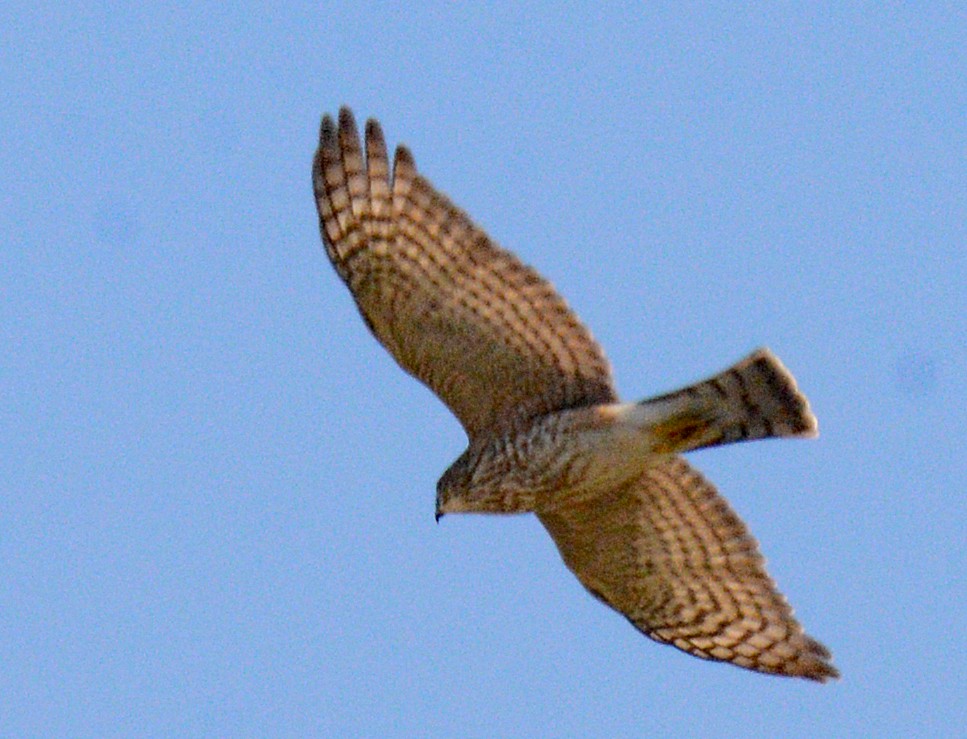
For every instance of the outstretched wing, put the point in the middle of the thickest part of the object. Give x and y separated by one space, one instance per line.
668 553
485 332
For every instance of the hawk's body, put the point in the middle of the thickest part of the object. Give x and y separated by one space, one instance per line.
640 528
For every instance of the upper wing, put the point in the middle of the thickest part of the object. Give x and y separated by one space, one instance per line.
485 332
668 553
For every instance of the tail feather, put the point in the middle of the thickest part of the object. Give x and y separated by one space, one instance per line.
757 398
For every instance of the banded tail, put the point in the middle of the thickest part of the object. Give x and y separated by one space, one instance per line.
757 398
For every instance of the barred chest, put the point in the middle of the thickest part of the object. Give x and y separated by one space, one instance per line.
555 459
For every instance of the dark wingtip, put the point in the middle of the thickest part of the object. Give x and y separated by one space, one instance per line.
373 128
404 158
327 145
327 130
348 134
374 133
815 663
346 117
820 673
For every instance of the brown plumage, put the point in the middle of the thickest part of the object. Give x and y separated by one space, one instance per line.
640 528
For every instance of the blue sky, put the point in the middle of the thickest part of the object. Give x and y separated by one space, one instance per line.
216 489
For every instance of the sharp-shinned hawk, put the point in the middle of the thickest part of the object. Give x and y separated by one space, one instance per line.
640 528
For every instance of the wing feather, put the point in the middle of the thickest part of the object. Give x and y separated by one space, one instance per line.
668 553
486 333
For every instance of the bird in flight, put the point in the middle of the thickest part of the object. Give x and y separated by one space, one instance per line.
641 529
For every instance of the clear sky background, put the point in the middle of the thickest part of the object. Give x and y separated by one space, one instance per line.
216 488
